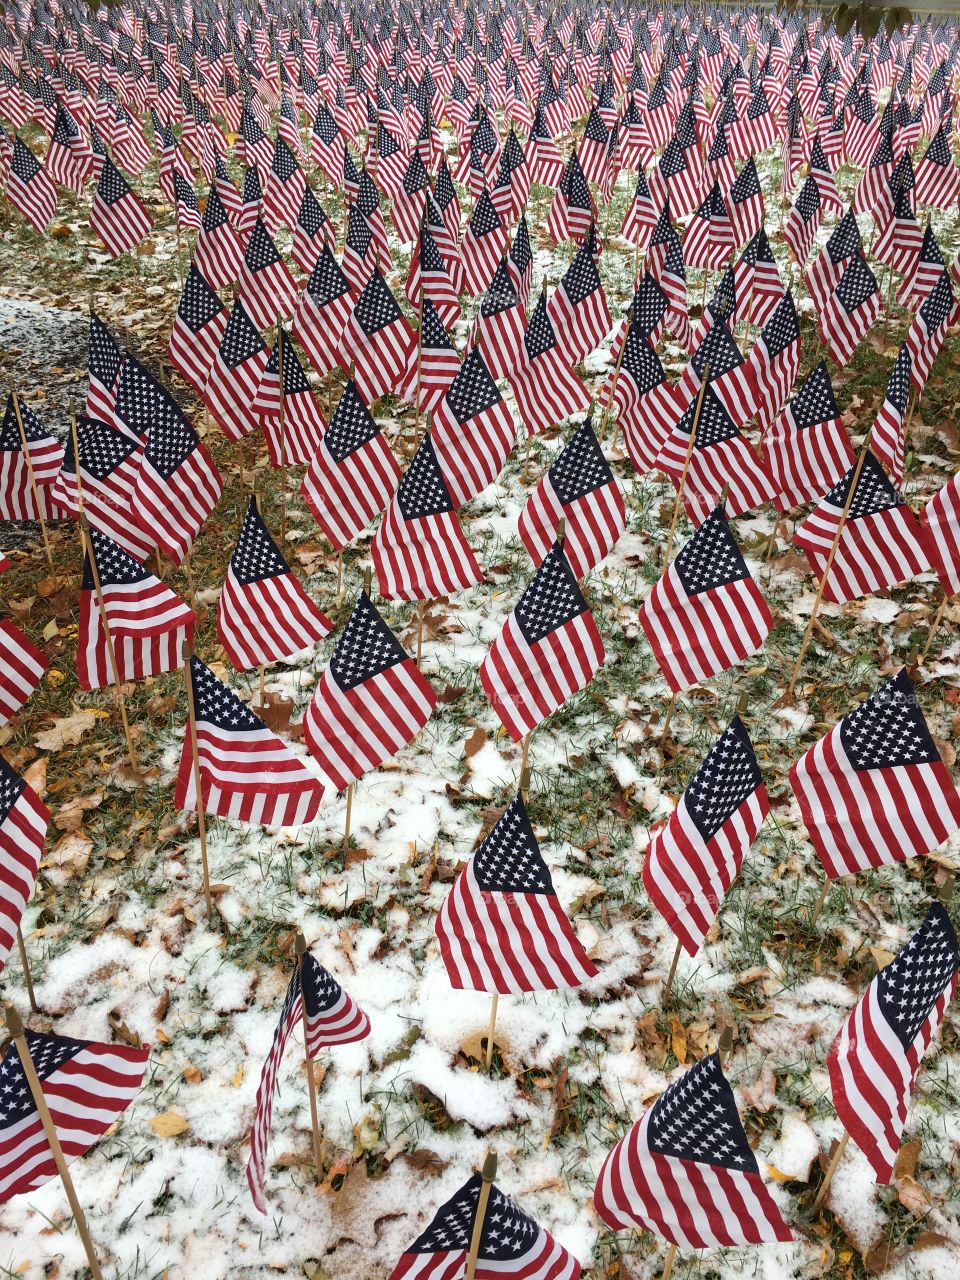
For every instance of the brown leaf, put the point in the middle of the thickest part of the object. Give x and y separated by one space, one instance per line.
67 731
451 693
163 1004
36 776
878 1259
425 1161
168 1124
474 743
678 1040
356 1210
68 858
912 1196
121 1031
69 817
275 712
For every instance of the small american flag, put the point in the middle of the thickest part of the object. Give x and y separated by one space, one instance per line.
572 209
377 340
881 544
360 254
695 858
21 667
928 329
806 447
886 435
686 1171
925 275
86 1085
850 311
520 261
578 308
941 522
353 473
45 455
284 190
544 385
370 701
757 279
434 365
823 176
745 202
706 613
641 216
580 489
323 311
264 614
875 790
874 1060
293 440
501 927
186 203
267 289
473 431
198 330
246 772
148 622
407 207
512 1245
218 254
104 362
29 188
900 236
117 216
500 324
646 403
24 819
70 156
775 360
484 242
824 272
312 231
938 178
327 146
709 240
429 274
331 1018
548 650
235 374
419 550
801 226
109 465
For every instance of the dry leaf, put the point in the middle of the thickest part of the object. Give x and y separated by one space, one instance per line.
36 776
474 743
69 817
275 712
168 1124
66 732
881 957
912 1196
905 1165
678 1040
68 858
121 1031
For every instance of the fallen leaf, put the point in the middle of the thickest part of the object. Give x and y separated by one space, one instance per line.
66 732
68 858
168 1124
474 743
121 1031
275 712
912 1196
69 817
678 1040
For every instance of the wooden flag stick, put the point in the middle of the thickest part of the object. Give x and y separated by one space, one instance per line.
416 395
818 905
808 632
668 1264
88 550
492 1028
283 433
601 434
831 1170
671 706
421 610
300 946
25 966
704 382
34 487
19 1040
668 985
932 629
197 779
487 1173
349 815
76 456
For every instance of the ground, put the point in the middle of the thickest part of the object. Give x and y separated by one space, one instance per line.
120 947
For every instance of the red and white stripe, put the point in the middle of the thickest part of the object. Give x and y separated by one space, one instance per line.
874 552
422 558
262 622
21 668
592 524
22 834
940 519
148 625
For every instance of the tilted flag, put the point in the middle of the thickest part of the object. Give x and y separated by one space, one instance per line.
806 447
322 313
198 330
109 464
695 857
928 329
70 157
331 1018
117 216
850 311
86 1085
43 459
578 307
775 360
646 402
433 366
881 542
483 244
548 649
264 614
370 700
823 274
235 374
938 178
544 385
29 187
312 231
218 254
886 434
511 1243
709 240
941 522
246 772
686 1171
473 431
580 489
706 613
874 1060
377 341
500 324
148 622
21 667
875 790
292 435
24 819
104 362
800 229
267 289
501 927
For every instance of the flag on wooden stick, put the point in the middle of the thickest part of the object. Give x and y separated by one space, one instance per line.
23 825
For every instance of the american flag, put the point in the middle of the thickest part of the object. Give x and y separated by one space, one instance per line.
420 551
322 312
104 362
377 341
548 650
646 403
264 614
327 146
235 374
430 279
251 198
758 280
293 438
501 927
185 202
938 178
353 473
941 522
178 484
500 324
745 202
709 240
572 209
331 1018
24 819
824 272
21 668
580 489
520 261
87 1085
886 434
544 385
148 622
641 216
70 157
483 244
695 857
578 308
925 275
473 431
109 465
706 613
246 772
822 174
117 216
218 254
198 330
267 289
806 447
880 545
407 207
676 177
434 365
511 1243
875 790
775 360
717 359
543 154
370 700
800 229
686 1171
359 250
312 231
284 190
850 311
44 457
928 329
29 188
872 193
874 1060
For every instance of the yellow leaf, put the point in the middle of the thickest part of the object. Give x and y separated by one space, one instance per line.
238 1078
678 1040
168 1124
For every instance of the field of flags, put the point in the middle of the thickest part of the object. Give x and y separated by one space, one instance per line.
478 791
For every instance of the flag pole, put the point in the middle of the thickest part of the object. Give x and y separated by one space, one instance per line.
616 375
487 1174
932 629
704 382
19 1040
34 487
25 966
88 550
197 778
808 632
835 1159
668 985
300 946
263 695
283 430
421 610
418 384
